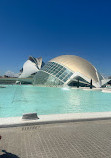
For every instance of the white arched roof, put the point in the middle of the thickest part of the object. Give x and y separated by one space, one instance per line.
32 65
28 69
78 64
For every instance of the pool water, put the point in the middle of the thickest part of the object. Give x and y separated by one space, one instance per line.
18 99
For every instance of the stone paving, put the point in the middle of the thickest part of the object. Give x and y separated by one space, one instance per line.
87 139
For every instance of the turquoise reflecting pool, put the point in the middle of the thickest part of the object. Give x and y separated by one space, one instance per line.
16 100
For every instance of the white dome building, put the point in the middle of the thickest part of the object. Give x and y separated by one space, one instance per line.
68 70
30 67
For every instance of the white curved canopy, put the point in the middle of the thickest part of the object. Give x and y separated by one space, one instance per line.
32 65
28 69
80 67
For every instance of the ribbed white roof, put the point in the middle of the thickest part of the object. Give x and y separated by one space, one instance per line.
78 64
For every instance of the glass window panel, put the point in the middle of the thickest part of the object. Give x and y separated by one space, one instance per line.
57 70
61 71
49 65
65 79
60 77
54 73
54 70
61 66
69 75
46 70
46 79
64 69
53 64
63 75
57 75
51 68
49 71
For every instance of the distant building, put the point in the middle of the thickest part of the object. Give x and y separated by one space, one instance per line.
5 76
69 70
10 74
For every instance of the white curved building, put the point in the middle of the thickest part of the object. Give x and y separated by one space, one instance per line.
68 70
31 66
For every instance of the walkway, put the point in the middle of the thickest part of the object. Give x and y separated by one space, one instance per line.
87 139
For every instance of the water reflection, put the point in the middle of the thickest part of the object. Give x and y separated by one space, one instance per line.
16 100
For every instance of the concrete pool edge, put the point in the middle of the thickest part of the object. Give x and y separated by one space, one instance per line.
55 118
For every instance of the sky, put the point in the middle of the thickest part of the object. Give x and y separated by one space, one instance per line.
50 28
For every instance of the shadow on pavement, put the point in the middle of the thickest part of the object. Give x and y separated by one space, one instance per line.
8 155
